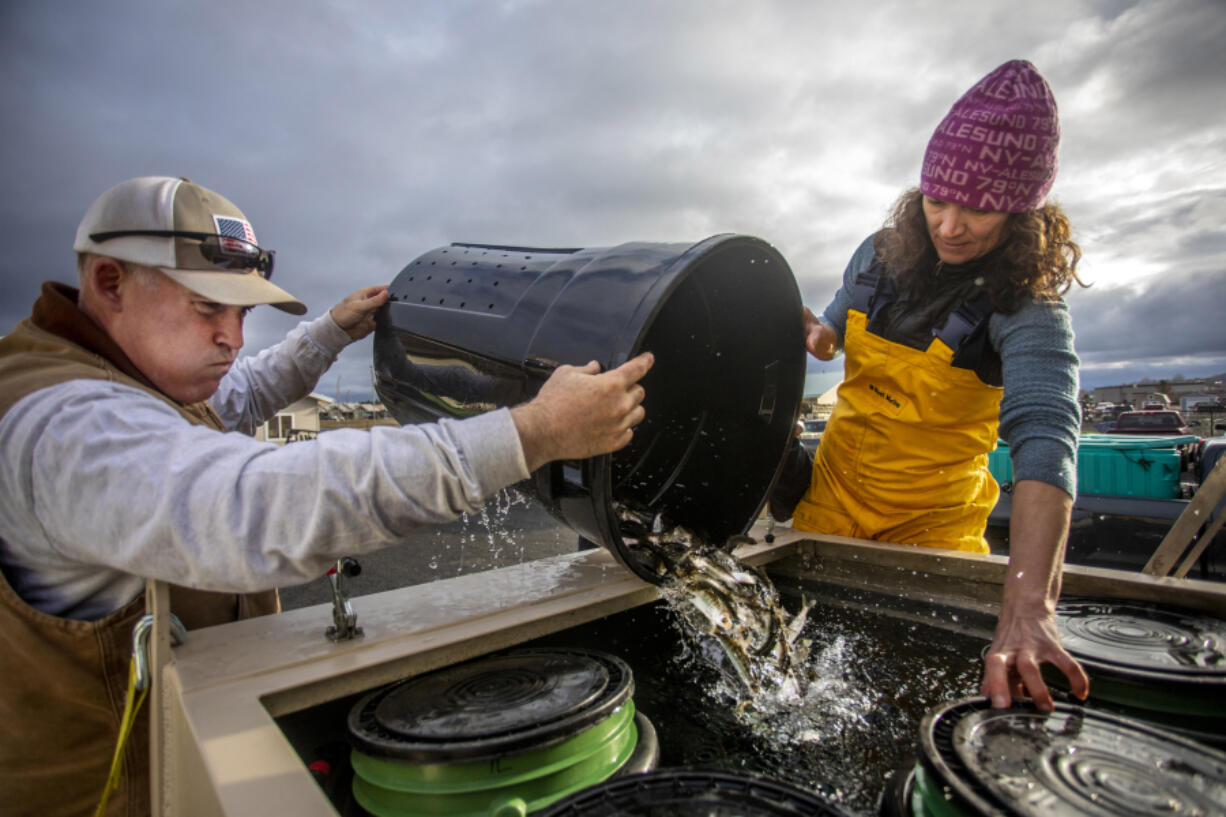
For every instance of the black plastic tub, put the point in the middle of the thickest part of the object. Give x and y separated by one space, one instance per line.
469 328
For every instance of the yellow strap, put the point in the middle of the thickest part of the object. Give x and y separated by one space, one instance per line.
131 706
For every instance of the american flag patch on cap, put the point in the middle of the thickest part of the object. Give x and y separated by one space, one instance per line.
231 227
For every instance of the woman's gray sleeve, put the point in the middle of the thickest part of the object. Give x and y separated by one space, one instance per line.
1040 417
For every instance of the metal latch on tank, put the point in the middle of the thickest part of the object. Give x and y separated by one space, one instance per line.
140 645
344 620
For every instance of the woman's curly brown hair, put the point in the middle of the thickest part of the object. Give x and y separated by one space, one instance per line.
1038 257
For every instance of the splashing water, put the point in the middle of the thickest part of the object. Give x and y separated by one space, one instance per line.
729 608
486 533
870 683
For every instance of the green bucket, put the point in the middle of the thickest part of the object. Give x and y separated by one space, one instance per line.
502 736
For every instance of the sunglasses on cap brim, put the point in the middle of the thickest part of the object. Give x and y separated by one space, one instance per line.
222 251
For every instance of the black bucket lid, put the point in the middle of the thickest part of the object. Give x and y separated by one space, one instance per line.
1157 662
1072 761
491 707
1139 639
692 793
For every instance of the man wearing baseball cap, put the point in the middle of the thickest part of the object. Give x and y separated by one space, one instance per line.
115 467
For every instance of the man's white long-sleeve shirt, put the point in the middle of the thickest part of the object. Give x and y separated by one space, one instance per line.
102 485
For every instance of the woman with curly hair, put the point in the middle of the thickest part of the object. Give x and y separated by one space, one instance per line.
955 332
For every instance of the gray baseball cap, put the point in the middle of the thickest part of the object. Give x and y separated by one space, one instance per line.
193 235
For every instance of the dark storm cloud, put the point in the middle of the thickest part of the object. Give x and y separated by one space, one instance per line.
1171 317
1181 232
358 135
1156 70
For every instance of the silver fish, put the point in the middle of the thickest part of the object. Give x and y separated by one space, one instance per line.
724 599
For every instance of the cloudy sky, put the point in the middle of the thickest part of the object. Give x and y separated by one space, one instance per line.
358 135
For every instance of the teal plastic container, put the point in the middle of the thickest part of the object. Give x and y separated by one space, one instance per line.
1116 465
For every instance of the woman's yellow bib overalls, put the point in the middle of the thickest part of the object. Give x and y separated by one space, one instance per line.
904 457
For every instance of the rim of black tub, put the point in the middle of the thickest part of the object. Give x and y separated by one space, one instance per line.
693 793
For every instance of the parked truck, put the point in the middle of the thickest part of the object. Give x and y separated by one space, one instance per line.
1161 424
1151 422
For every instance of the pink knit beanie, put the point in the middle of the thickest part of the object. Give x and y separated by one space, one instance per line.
996 148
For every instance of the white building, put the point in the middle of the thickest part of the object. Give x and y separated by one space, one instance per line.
299 420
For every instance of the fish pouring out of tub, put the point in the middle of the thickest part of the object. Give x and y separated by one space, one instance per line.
725 600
